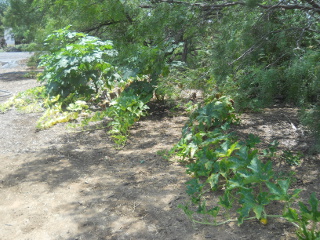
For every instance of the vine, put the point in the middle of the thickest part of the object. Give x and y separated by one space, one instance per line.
241 175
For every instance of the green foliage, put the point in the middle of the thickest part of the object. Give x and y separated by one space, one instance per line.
310 117
125 111
218 161
76 73
292 158
143 89
28 101
216 114
258 55
262 58
307 219
36 100
78 64
25 18
3 8
270 152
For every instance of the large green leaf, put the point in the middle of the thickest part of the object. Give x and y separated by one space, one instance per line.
235 182
312 214
250 202
279 190
213 180
225 200
291 215
260 172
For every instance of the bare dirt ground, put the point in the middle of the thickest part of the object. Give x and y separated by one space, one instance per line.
60 184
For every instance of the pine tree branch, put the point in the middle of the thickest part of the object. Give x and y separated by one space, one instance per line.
290 7
213 7
313 3
108 23
261 41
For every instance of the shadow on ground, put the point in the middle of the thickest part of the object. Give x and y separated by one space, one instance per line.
133 193
17 76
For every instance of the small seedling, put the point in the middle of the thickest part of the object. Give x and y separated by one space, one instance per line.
291 158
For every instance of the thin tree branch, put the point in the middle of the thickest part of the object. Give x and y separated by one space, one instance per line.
262 39
313 3
291 7
278 59
101 25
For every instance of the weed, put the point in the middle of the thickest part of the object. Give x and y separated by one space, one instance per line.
164 154
292 159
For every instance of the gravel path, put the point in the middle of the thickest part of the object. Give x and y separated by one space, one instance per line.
10 60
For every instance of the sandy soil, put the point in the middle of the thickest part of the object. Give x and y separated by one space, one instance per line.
60 184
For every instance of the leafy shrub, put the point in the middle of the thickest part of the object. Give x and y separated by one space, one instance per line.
310 117
77 63
143 89
125 111
77 72
205 123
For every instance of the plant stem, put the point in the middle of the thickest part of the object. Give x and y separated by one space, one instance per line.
280 216
235 220
220 223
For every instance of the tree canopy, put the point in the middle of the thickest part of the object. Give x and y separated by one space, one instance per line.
259 52
3 7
